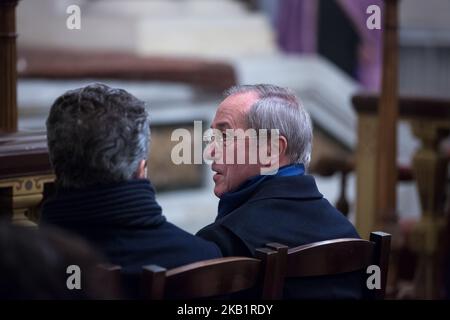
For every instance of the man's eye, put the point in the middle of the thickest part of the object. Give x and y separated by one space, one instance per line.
208 138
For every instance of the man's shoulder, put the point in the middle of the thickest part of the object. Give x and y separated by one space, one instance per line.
286 214
188 243
313 216
230 244
167 246
292 194
302 187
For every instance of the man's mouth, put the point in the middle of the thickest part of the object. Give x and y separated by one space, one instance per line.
216 169
216 177
217 174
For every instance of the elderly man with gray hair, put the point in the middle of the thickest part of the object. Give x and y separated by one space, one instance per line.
98 141
284 206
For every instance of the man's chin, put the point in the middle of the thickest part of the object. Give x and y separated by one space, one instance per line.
218 192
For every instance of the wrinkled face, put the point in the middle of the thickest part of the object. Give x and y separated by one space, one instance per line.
231 114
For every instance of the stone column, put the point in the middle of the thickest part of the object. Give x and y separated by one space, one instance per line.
430 170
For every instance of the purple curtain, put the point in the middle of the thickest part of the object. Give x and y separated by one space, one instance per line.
297 32
297 25
370 51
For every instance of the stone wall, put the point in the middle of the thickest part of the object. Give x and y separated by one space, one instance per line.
163 173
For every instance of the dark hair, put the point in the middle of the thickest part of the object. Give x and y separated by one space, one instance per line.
97 135
34 262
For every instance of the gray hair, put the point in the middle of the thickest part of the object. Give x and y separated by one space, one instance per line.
279 108
97 135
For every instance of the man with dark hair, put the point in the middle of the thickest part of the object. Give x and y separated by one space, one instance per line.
273 200
98 140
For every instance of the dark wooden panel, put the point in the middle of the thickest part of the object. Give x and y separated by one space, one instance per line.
8 73
23 154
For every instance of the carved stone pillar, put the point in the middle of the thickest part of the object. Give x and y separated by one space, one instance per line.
8 66
430 170
19 198
367 219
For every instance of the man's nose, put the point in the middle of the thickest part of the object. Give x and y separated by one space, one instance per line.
214 153
210 151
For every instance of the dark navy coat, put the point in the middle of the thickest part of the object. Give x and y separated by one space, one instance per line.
289 210
125 222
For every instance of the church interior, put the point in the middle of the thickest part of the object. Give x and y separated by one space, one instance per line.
376 87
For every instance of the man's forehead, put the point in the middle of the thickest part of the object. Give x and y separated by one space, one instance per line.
242 101
232 110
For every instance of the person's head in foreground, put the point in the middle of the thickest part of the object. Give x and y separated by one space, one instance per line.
97 135
98 140
258 110
50 264
273 199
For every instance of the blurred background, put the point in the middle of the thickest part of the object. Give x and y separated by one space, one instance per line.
321 49
179 55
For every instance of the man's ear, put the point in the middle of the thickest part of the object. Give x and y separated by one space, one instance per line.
282 146
277 155
141 172
277 150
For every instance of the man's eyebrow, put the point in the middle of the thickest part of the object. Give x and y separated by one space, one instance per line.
222 126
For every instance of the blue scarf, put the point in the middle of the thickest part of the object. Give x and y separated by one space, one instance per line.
232 200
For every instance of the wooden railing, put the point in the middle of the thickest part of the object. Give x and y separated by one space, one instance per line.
8 73
61 64
25 172
430 122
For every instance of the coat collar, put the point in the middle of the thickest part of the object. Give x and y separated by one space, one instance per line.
126 204
287 183
293 187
